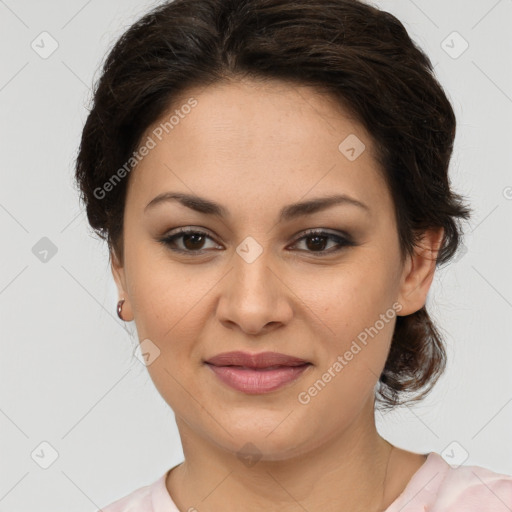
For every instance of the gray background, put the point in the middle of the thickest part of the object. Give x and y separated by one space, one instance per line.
68 377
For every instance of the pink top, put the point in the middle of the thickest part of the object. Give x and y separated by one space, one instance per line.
435 487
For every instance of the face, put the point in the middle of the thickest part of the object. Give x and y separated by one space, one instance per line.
268 265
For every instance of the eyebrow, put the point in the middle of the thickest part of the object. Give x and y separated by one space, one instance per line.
289 212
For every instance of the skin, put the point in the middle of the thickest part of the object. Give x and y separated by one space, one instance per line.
255 147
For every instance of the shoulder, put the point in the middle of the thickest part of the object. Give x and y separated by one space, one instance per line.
474 488
439 487
150 498
140 499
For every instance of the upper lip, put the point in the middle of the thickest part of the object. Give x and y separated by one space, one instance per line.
260 360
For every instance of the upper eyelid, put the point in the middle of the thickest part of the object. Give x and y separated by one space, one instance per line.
204 231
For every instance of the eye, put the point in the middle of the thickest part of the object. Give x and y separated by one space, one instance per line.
192 241
187 240
316 241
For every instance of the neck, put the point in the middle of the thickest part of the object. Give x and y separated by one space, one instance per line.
349 468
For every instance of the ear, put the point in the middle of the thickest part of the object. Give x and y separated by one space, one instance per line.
419 271
119 275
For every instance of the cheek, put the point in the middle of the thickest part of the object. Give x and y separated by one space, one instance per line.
160 296
167 305
349 297
358 324
353 310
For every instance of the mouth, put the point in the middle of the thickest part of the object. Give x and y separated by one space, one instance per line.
256 373
255 361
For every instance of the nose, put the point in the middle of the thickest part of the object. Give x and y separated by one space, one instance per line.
254 297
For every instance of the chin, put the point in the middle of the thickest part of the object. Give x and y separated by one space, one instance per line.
274 442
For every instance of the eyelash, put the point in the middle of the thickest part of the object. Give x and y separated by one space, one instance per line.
342 241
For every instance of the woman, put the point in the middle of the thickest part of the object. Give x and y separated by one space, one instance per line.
271 179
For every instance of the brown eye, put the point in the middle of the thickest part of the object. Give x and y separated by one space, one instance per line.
317 241
193 241
188 241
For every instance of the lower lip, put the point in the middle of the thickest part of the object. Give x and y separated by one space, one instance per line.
255 382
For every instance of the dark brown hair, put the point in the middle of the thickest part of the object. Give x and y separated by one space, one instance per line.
359 54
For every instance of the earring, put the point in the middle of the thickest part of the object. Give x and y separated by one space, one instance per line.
120 309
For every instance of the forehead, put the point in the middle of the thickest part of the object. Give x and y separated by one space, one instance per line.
248 139
264 112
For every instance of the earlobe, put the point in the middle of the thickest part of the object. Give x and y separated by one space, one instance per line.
419 272
120 309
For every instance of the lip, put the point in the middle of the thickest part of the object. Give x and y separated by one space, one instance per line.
258 360
256 373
